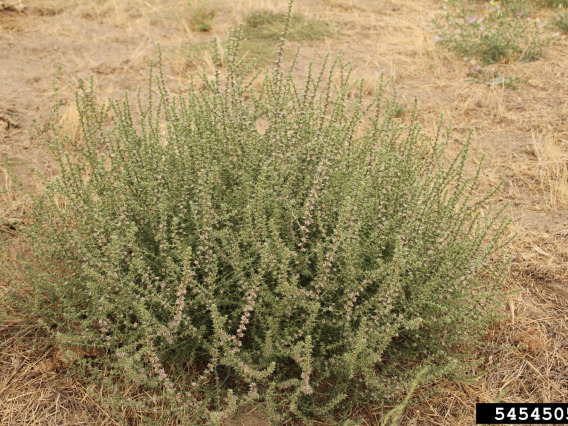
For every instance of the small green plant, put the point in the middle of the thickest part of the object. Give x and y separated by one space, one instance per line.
500 32
202 15
561 22
492 79
329 258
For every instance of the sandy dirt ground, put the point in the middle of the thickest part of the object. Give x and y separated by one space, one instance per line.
522 133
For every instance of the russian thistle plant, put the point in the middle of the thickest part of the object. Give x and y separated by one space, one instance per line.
329 258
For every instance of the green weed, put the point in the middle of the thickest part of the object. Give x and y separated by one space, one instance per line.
500 32
561 22
202 14
493 79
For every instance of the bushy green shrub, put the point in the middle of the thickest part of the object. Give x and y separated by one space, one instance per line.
499 32
328 258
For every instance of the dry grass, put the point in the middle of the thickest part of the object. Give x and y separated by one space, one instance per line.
548 170
522 133
35 390
260 34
